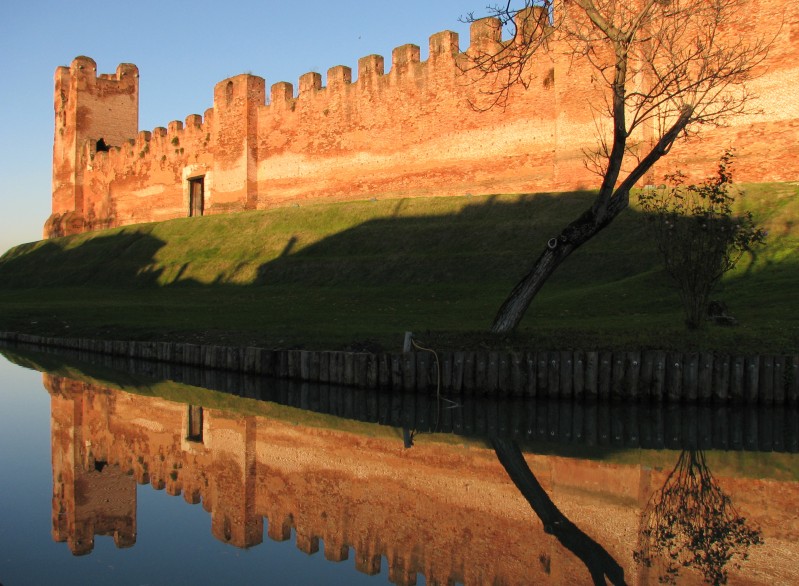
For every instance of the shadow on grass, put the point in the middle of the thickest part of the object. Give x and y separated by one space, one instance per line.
125 257
492 241
489 240
396 261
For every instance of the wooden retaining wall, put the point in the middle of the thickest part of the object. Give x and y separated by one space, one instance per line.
646 376
611 425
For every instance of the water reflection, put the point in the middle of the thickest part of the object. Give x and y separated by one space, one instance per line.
690 522
599 562
444 509
612 426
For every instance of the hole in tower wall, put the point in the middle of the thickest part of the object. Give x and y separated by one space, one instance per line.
102 147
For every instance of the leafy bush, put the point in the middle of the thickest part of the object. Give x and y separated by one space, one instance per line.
697 234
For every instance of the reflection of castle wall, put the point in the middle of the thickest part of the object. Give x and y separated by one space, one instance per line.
89 496
232 503
451 514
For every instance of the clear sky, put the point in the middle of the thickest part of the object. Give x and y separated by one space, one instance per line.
182 48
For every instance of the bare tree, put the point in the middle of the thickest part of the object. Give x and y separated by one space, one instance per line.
667 68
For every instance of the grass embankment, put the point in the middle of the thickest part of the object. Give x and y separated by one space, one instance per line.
360 274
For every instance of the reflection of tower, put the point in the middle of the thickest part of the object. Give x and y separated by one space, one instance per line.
90 497
234 518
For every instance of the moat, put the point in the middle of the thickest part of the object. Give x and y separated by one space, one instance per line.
118 477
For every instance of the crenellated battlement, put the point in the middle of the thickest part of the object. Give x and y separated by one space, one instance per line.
83 70
484 33
414 129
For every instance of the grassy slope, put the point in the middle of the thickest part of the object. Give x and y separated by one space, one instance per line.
364 272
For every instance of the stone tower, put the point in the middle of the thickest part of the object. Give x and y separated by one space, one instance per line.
91 113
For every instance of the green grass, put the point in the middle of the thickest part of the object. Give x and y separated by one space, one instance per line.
360 274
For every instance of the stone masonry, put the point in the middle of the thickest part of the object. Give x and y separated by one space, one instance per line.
407 132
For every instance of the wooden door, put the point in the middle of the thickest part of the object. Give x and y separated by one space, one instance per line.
196 196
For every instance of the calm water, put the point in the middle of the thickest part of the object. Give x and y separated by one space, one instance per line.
145 477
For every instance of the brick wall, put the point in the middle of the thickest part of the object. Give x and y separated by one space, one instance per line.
409 131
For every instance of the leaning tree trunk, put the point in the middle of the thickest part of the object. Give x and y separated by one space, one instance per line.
608 204
558 249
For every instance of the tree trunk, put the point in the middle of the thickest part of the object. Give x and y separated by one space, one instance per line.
516 304
558 249
608 204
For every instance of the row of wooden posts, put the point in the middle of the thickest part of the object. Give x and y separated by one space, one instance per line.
648 376
612 425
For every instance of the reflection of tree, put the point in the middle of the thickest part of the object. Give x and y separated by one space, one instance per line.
691 523
598 561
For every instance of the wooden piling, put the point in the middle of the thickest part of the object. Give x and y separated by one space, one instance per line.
553 375
518 374
542 373
690 379
632 365
617 372
532 374
492 373
458 366
674 377
721 378
578 375
705 377
566 374
591 375
446 360
384 370
408 371
424 380
396 372
468 373
605 375
751 379
779 380
504 367
765 383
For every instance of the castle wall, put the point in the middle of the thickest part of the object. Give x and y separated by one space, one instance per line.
766 137
416 129
406 132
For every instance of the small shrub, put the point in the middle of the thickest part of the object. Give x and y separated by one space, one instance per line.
697 234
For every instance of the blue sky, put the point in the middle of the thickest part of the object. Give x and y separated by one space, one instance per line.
182 50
